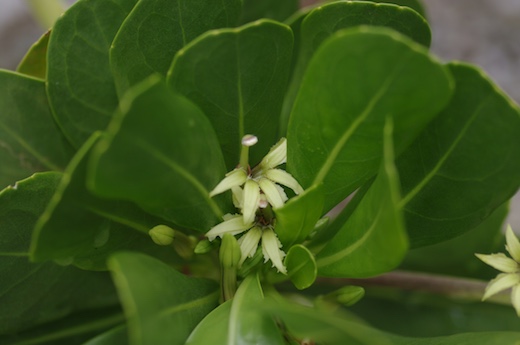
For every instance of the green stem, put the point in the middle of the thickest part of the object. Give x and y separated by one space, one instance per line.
229 283
46 12
462 288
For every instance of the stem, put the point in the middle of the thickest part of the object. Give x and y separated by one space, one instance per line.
229 283
463 288
46 12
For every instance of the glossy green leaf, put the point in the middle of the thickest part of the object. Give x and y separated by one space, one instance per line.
301 266
115 336
34 63
80 228
297 218
156 29
336 329
161 153
456 256
373 240
238 321
214 328
162 305
324 21
238 78
79 80
464 165
415 5
31 294
272 9
337 140
30 141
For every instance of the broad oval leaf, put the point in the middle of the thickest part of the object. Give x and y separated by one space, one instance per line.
30 140
238 78
161 153
79 80
54 291
298 217
322 22
301 267
364 75
239 321
415 5
82 229
156 29
162 305
465 164
34 63
373 240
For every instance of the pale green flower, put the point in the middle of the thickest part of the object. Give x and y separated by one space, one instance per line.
254 190
510 278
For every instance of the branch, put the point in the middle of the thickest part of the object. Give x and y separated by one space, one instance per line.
462 288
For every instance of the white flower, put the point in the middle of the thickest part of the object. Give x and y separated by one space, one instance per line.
510 278
254 190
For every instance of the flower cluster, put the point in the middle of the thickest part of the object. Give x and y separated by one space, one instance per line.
510 278
255 192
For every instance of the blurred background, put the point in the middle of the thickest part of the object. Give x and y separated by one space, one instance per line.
483 32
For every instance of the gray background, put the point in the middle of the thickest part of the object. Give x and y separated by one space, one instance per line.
484 32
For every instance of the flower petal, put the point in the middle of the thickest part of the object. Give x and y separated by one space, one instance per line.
502 282
515 298
284 178
238 197
271 250
513 245
249 243
233 225
234 178
276 156
251 199
500 261
271 192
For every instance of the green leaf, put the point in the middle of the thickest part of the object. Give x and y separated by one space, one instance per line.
456 256
301 266
115 336
79 80
162 305
415 5
425 315
272 9
297 218
375 230
166 161
238 78
156 29
310 323
464 165
238 321
79 228
337 140
324 21
31 294
74 329
34 63
30 141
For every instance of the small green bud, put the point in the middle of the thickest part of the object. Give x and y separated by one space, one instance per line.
229 251
203 247
162 235
348 295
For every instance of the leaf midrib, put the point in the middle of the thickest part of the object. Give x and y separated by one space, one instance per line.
446 155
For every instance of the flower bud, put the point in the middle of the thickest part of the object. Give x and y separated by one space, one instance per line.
162 235
348 295
203 247
230 253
